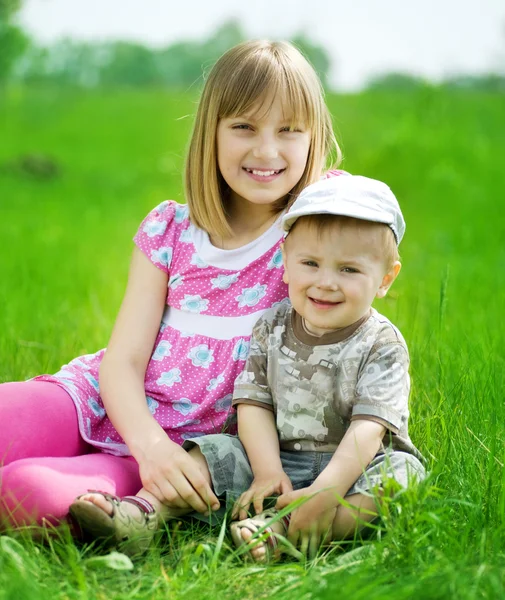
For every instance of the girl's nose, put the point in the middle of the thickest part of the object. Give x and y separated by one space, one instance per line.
266 148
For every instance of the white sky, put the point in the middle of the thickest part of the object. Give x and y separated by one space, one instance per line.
431 38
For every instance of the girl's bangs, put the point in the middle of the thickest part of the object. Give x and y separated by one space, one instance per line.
253 89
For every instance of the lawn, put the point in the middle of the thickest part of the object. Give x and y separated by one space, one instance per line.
79 171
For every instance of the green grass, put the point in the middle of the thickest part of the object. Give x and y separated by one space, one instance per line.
66 243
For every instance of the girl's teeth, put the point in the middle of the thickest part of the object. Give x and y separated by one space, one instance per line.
262 173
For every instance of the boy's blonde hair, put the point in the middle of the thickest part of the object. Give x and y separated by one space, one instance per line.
323 223
245 77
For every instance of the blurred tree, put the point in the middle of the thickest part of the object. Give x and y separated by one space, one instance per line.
13 41
317 56
129 64
489 82
396 81
184 62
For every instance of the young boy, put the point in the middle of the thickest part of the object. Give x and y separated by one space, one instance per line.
323 400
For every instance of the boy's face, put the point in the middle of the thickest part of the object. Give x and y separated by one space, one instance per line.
334 275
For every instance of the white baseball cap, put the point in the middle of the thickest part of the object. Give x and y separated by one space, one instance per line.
350 196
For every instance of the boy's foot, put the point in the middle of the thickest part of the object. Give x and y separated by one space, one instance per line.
128 523
265 545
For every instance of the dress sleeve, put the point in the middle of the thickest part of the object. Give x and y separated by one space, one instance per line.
156 234
382 390
251 386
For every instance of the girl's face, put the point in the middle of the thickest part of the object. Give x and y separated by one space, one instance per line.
258 155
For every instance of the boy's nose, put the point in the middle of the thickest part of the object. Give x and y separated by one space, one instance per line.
328 281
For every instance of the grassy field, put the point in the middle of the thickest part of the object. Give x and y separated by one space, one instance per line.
66 242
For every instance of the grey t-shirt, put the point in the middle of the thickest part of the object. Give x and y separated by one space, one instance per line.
317 385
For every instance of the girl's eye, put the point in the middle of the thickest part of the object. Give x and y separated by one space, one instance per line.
310 263
244 126
291 130
349 270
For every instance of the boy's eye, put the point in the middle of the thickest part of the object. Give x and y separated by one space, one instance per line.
310 263
349 270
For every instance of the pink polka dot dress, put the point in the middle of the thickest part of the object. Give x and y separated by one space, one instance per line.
214 298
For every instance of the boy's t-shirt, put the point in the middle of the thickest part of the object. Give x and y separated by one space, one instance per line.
317 385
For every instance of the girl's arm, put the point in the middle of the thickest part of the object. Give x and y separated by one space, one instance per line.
166 470
258 433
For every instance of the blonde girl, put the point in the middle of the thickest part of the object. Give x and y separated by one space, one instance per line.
201 274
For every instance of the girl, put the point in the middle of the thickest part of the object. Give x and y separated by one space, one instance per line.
115 420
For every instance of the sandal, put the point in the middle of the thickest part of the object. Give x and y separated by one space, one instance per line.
268 536
131 534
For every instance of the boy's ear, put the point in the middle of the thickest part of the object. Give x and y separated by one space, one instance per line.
388 279
285 274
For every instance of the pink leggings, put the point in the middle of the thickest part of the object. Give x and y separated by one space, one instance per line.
44 462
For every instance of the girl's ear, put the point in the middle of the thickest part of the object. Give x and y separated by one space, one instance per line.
388 279
285 274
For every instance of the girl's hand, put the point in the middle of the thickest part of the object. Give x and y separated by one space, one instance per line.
263 486
175 479
311 523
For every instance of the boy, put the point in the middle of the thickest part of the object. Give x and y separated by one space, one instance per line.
323 400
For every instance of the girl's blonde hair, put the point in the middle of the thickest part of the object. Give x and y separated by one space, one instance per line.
244 78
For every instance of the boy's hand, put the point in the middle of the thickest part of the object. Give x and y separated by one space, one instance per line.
175 479
311 523
263 486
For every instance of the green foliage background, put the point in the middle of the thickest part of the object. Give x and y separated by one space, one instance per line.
78 172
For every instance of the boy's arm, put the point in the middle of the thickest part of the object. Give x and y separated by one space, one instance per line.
258 433
312 521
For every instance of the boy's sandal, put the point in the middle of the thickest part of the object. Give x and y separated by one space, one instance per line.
268 536
131 534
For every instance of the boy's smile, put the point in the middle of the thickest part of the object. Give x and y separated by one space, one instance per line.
334 274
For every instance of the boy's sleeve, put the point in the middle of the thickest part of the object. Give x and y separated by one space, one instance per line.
382 390
251 386
156 234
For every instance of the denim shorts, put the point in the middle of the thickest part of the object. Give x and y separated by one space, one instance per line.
232 475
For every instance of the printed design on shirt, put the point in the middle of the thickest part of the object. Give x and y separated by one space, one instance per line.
251 296
241 349
185 236
154 228
162 256
308 385
215 382
152 404
181 212
198 262
187 423
192 434
184 406
161 208
223 404
162 349
98 410
175 281
276 260
201 356
170 378
223 282
90 379
194 304
284 301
